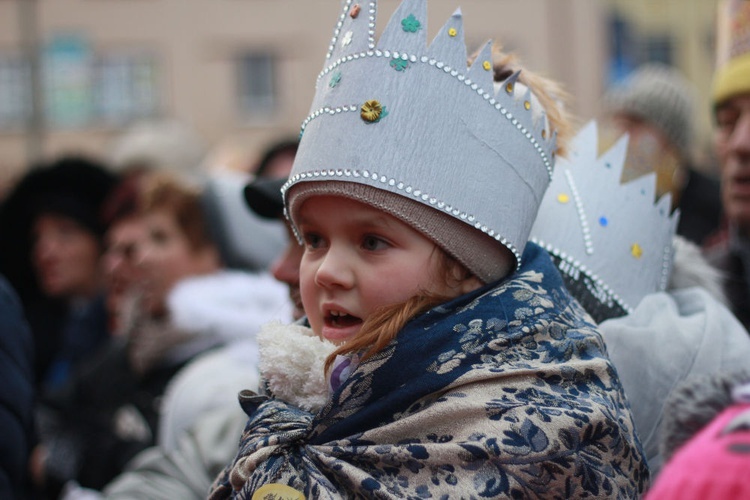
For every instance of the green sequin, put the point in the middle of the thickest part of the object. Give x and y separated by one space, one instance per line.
335 79
399 64
411 24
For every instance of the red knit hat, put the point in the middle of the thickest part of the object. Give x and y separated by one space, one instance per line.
715 464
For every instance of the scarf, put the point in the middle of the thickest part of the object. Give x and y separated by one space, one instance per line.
505 391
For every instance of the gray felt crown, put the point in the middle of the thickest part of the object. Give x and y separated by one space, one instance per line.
414 120
612 237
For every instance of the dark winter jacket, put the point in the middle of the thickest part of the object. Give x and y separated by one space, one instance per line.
16 395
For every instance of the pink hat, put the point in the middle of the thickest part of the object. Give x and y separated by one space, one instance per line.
715 464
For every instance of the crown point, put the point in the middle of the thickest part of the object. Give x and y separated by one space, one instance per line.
510 83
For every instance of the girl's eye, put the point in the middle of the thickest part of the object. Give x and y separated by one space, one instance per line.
373 243
313 240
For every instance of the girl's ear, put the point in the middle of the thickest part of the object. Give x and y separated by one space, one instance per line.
460 279
470 284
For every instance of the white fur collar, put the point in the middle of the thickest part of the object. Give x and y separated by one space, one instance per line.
292 358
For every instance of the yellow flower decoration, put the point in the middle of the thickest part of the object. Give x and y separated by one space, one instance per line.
509 88
371 111
563 198
636 250
527 105
452 32
487 65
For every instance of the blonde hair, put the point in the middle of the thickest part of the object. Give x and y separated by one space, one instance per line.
382 326
551 95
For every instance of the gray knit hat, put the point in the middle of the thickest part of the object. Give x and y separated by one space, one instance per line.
660 95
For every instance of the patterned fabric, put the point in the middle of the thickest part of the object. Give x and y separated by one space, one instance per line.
503 392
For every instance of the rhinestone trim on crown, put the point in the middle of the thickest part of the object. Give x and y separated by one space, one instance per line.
581 213
583 270
337 31
446 69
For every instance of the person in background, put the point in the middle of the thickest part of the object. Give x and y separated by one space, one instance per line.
125 234
184 463
18 394
52 244
655 106
729 248
276 160
212 381
658 302
188 304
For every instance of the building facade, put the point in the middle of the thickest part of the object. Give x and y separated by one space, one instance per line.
241 72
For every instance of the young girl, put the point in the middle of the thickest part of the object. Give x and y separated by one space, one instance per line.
442 360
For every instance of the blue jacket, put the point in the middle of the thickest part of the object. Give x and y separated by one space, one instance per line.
16 395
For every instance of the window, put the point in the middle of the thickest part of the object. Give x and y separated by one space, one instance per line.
80 87
125 88
257 85
658 48
15 91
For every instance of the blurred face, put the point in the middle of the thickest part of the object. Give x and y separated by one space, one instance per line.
65 256
280 166
649 150
732 141
121 269
166 257
286 270
358 259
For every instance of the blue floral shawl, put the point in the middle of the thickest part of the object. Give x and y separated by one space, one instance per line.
503 392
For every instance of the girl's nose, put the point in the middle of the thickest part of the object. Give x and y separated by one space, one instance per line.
335 270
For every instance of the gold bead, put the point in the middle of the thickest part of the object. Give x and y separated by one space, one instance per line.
636 250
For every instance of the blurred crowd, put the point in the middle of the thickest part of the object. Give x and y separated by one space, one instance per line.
133 288
121 273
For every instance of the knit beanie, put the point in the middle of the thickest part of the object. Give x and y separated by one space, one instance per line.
477 251
732 75
661 96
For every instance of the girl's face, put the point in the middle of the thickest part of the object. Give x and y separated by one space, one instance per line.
356 260
166 257
65 257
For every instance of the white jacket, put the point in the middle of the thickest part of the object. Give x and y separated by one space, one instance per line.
672 336
233 306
